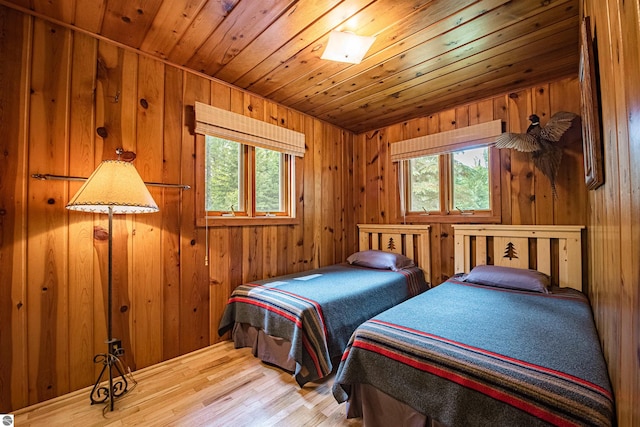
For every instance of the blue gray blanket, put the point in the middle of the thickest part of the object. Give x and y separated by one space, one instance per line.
471 355
318 310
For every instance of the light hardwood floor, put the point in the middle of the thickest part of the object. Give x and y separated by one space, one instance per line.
214 386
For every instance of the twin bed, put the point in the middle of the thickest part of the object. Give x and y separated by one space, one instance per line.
302 322
496 346
511 343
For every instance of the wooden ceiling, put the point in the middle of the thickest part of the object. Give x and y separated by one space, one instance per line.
429 55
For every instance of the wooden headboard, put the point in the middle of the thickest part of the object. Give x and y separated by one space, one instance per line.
409 240
523 246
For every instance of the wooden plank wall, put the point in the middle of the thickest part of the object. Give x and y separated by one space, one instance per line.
57 87
526 196
614 223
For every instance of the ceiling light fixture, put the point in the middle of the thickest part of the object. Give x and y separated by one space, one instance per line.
347 47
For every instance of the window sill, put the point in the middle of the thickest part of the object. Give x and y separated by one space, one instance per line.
240 221
451 219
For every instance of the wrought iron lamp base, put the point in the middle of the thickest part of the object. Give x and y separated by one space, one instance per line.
117 384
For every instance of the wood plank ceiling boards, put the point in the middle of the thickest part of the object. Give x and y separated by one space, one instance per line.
429 55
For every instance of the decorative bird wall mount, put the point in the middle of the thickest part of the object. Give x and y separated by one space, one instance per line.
541 142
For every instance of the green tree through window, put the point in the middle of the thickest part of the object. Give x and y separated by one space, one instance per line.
222 174
425 184
268 180
471 179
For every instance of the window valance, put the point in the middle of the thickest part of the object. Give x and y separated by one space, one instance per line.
247 130
452 140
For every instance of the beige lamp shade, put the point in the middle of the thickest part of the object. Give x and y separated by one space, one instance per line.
347 47
117 185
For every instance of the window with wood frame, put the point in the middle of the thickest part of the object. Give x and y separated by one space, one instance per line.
453 176
244 180
246 169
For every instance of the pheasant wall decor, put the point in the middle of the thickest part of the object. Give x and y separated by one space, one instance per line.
541 143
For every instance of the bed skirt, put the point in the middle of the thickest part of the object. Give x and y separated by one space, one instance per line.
378 409
269 349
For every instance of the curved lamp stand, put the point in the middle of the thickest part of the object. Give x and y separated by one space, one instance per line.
117 385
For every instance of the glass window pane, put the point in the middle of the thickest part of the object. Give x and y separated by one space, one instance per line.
223 175
471 179
424 184
269 184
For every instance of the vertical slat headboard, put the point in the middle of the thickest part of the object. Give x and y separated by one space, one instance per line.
409 240
511 248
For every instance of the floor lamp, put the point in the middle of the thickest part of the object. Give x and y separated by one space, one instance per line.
115 187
